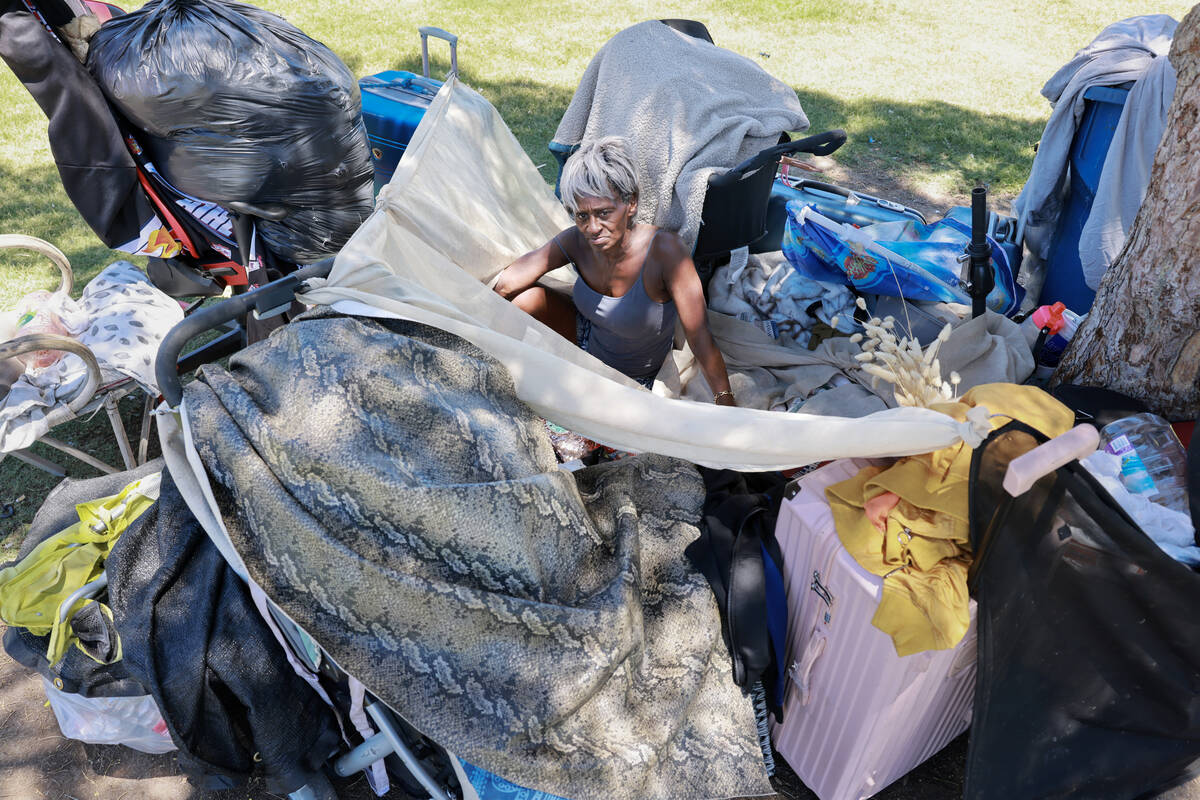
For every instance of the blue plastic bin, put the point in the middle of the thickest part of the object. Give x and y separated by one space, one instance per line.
1102 108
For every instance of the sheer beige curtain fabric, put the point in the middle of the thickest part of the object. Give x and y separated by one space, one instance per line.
465 201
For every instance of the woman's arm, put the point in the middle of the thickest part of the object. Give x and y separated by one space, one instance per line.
529 268
683 284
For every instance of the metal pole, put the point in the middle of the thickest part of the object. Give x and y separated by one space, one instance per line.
980 252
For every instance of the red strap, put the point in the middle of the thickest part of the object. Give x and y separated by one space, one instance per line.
103 11
165 213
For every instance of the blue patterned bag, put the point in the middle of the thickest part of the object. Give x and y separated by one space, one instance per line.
906 259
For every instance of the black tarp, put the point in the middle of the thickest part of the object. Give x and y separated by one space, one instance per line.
194 638
1089 642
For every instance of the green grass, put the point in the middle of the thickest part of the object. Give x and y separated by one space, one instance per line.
938 95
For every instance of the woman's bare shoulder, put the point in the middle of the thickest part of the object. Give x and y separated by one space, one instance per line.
568 242
667 246
669 251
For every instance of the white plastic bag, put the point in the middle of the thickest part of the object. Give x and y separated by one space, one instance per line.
132 721
48 312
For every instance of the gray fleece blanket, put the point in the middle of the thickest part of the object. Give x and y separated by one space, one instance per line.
686 107
386 488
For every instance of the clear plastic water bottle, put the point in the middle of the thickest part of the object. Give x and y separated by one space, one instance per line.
1153 461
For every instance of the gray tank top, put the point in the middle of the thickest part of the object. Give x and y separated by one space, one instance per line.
631 333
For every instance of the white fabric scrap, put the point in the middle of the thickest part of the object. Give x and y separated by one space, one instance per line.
687 109
1170 529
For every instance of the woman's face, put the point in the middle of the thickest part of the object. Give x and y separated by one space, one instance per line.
604 221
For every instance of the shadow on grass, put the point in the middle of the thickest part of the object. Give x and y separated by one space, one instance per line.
34 203
911 142
957 145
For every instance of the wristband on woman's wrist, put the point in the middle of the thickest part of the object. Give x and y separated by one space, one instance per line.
725 393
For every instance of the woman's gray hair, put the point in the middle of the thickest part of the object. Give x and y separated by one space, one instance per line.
600 169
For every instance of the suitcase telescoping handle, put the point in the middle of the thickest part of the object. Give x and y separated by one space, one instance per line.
427 31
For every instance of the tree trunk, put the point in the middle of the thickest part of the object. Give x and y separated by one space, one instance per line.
1142 336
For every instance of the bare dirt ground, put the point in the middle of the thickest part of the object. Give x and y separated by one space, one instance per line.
37 763
881 181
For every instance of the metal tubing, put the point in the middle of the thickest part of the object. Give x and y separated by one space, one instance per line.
428 30
382 718
980 251
50 341
377 747
87 590
19 241
166 368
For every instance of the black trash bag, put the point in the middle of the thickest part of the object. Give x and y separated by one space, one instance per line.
1089 641
237 105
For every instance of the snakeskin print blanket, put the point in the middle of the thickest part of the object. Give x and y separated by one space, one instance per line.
390 493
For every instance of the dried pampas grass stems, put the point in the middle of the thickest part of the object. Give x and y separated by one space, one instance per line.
916 374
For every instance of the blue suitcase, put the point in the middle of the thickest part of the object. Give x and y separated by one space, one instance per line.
393 103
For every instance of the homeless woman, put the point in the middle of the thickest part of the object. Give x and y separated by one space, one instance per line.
634 279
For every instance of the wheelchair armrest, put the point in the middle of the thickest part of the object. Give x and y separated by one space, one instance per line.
821 144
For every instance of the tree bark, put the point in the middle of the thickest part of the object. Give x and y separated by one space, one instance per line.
1142 336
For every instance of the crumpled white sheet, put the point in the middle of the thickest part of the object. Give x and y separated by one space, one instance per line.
1170 529
127 320
775 375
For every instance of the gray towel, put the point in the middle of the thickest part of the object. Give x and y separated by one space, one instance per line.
1121 52
686 107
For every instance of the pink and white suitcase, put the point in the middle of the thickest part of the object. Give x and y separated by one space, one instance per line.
856 715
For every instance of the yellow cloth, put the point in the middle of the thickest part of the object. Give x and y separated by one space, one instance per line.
925 552
33 589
